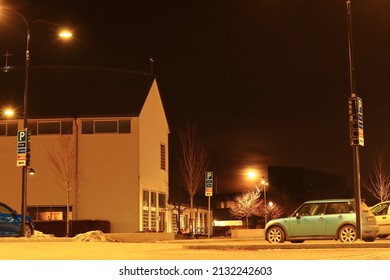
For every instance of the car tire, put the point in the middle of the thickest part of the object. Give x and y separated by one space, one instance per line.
275 235
27 231
369 239
347 234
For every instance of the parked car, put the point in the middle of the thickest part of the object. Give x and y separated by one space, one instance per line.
323 219
10 222
382 215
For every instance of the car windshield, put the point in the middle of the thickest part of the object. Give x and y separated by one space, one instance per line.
380 209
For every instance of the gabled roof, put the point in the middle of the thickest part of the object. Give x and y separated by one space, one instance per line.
63 91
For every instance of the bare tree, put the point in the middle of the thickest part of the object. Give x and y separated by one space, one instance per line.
193 164
63 159
274 211
247 205
379 180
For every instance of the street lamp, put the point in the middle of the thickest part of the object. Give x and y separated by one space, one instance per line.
8 112
265 184
25 99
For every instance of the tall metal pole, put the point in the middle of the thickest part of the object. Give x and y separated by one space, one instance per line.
265 200
25 96
355 147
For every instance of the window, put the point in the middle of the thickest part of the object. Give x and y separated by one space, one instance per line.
106 126
87 127
145 198
49 128
66 127
153 201
338 208
53 127
3 129
161 200
12 129
33 127
47 213
162 157
124 126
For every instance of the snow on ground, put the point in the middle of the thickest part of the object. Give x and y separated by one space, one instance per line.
90 236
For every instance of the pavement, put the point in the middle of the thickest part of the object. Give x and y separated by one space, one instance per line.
224 243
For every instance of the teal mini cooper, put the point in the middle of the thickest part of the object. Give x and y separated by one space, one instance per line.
323 219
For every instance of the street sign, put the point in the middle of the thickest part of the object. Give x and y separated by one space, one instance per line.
209 183
356 132
23 148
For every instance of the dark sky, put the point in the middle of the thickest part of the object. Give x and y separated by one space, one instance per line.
266 82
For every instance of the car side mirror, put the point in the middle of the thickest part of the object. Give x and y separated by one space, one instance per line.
297 216
14 213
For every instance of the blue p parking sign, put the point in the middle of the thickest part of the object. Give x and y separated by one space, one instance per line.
21 157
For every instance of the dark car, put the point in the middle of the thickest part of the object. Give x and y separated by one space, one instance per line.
10 222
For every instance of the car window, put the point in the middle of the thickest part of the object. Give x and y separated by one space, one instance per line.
4 210
338 208
381 209
311 209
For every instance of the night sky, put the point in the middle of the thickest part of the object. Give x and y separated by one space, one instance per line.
265 81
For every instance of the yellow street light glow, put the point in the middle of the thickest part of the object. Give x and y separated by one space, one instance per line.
8 112
65 34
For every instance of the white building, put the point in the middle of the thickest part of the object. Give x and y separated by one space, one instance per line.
117 129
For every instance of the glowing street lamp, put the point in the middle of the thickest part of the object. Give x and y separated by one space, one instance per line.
28 25
8 112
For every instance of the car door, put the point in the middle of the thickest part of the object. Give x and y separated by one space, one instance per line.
336 214
8 224
309 221
382 215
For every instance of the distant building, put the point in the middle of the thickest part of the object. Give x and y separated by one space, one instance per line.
288 187
291 186
118 129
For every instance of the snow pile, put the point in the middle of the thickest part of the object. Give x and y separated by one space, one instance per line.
92 236
39 234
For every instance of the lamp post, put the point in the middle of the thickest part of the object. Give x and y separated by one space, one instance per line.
356 122
265 184
25 102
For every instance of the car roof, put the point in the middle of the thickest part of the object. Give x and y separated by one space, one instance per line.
330 200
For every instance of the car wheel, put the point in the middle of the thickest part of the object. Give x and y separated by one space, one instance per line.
27 231
275 235
347 234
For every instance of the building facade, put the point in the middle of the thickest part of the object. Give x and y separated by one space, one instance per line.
99 147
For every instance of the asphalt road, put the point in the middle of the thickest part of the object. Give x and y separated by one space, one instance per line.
202 249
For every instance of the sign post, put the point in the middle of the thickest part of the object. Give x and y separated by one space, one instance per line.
21 157
209 177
